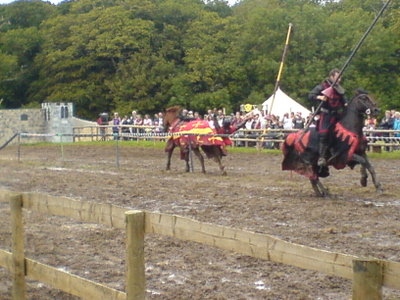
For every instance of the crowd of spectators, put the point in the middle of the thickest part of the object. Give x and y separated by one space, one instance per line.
255 120
121 127
390 121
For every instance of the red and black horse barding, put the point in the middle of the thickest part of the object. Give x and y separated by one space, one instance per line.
347 146
192 136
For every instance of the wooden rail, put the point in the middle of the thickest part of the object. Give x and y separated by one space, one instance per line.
138 223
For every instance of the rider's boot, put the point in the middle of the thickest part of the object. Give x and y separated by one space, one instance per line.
323 148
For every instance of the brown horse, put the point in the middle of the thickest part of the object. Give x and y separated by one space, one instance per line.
190 136
347 146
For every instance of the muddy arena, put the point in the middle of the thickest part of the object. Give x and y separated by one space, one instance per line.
255 195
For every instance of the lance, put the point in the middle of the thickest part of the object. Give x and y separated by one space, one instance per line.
278 78
330 90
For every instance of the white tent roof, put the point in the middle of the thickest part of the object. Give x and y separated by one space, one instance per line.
283 104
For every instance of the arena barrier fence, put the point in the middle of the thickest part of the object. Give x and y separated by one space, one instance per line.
378 140
368 275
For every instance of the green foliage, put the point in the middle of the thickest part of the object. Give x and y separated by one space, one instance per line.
25 14
106 55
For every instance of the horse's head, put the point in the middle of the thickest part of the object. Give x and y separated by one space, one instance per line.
171 114
365 104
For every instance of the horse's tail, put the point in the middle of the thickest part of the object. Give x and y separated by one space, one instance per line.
295 151
288 151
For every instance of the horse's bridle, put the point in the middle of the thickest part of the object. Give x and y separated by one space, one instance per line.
367 109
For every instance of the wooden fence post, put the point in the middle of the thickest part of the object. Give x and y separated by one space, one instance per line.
135 272
367 279
18 257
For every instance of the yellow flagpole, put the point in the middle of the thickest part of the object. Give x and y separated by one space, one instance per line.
278 78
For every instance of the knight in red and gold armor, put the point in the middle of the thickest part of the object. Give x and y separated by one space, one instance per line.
332 103
228 127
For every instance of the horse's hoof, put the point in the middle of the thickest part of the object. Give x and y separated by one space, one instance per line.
326 195
322 193
363 181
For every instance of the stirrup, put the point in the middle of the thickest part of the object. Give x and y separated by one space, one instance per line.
321 162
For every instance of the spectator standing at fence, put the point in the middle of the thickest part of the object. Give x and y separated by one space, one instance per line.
370 123
396 123
124 129
116 121
249 122
256 124
160 118
133 116
387 121
219 118
263 120
386 124
237 118
132 122
298 121
196 115
158 127
139 122
155 119
210 120
287 121
148 123
190 114
102 121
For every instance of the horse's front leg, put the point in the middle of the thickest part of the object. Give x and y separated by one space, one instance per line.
363 160
319 189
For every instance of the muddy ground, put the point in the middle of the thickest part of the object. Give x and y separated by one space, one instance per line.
256 195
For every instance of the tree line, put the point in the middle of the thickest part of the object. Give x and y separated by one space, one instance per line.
107 55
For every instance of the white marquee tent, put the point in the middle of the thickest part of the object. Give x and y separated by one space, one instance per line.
283 104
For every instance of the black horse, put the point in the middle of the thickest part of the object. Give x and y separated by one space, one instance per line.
347 146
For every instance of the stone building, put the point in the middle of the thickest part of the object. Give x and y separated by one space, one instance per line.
54 121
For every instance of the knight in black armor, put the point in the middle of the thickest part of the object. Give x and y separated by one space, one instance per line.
333 100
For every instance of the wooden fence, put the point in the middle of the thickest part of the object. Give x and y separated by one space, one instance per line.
368 275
